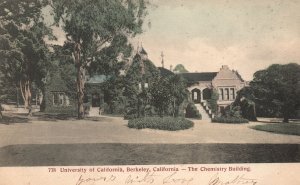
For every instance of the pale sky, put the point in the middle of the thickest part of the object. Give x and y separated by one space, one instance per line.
203 35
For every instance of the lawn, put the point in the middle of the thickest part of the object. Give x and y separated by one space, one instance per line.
280 128
146 154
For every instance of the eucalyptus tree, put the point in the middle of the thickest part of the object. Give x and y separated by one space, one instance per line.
23 50
91 26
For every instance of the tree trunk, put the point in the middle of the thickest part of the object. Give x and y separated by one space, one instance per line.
286 114
1 116
43 101
80 81
25 86
285 119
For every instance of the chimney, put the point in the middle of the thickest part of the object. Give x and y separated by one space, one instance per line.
225 67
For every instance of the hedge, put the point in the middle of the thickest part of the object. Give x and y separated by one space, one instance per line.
192 112
161 123
233 120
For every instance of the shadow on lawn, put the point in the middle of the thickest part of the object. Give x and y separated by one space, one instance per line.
146 154
11 118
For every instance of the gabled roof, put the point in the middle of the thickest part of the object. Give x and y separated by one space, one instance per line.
143 51
165 72
196 77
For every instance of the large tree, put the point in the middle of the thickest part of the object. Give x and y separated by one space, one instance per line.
23 50
277 88
91 26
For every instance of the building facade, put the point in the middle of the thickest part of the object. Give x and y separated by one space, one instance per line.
226 82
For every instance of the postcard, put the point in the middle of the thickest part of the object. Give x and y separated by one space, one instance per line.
181 92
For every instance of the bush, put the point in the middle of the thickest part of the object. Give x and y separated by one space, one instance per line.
233 120
131 113
161 123
192 111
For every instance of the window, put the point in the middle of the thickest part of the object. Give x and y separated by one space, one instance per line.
195 95
226 94
232 95
60 99
221 94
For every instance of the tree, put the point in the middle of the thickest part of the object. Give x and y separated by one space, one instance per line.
178 92
180 69
23 49
277 89
213 101
138 81
245 99
91 26
161 97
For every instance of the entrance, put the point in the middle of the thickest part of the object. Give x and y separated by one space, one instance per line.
95 100
196 95
207 94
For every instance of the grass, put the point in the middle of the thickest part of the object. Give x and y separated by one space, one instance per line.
146 154
13 119
164 123
280 128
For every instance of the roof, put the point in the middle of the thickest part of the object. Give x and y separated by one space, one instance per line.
143 51
96 79
196 77
165 72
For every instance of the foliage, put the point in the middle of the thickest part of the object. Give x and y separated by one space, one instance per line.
289 128
233 120
192 111
232 112
213 102
245 100
161 96
113 89
180 69
232 115
178 91
141 72
165 123
23 50
94 30
276 90
61 78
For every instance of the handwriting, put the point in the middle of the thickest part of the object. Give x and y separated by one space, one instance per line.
240 179
82 181
172 179
148 178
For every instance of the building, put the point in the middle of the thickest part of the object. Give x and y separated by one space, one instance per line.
226 82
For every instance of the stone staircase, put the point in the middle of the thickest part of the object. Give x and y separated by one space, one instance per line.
202 111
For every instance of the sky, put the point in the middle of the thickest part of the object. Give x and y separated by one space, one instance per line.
203 35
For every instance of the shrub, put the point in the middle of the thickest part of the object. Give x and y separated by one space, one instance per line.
212 103
233 120
131 113
161 123
192 111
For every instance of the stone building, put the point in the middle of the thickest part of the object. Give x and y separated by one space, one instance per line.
226 82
